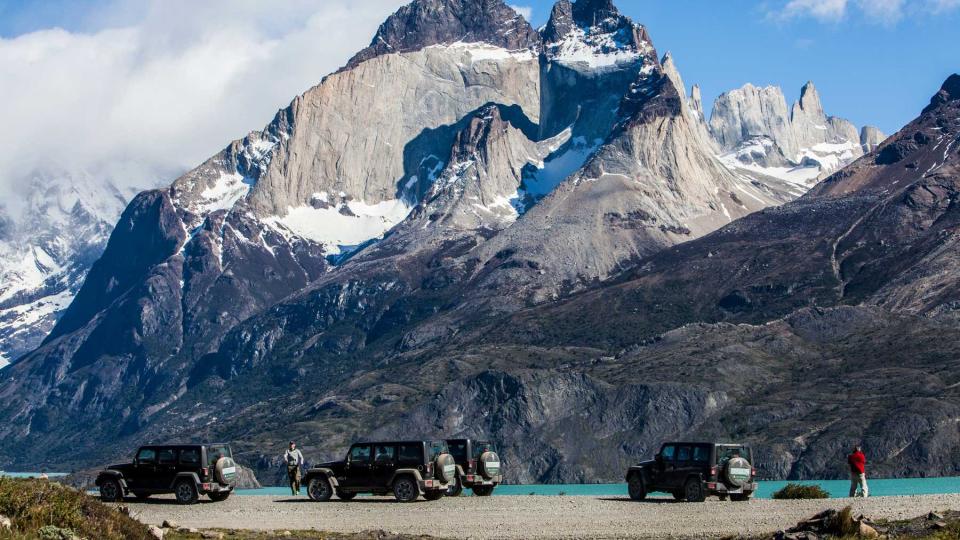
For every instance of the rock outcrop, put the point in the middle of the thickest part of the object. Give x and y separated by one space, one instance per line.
760 136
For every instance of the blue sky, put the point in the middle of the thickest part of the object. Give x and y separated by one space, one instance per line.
874 61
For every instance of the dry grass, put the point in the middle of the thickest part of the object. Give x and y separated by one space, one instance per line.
35 504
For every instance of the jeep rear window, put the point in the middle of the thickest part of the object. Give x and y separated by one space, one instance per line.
701 454
167 456
725 453
384 453
458 450
438 447
480 447
190 456
683 454
214 453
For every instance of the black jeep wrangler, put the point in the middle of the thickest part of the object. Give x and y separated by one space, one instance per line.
187 471
478 467
693 471
407 469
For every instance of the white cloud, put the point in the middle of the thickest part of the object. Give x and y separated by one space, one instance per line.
527 11
886 12
159 95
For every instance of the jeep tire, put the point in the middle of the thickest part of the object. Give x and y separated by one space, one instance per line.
489 464
186 492
636 488
345 495
456 488
446 468
110 491
319 488
693 491
219 496
483 491
405 489
740 497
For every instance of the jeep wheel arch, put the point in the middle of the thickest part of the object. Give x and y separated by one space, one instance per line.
413 473
185 477
327 473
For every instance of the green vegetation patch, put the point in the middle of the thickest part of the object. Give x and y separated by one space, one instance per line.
799 491
40 509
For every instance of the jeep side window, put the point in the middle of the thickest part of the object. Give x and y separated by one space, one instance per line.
701 454
146 456
190 456
167 456
668 452
360 454
683 454
410 454
384 454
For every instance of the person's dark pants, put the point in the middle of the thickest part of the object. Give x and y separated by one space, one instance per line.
293 474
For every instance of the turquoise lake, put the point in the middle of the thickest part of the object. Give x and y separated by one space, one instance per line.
836 488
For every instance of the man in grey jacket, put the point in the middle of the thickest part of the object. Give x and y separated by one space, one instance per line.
294 460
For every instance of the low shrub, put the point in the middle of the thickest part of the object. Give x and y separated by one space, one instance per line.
800 491
44 509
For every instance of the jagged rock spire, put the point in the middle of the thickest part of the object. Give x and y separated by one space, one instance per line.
950 91
430 22
594 12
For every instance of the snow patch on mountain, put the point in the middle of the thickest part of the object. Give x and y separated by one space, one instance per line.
343 226
480 52
597 51
223 194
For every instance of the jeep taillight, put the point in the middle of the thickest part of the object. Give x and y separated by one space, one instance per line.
205 472
429 468
753 473
472 464
713 471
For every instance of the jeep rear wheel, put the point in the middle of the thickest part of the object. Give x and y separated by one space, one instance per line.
405 490
110 491
693 491
186 492
319 488
636 488
433 495
455 489
483 491
219 496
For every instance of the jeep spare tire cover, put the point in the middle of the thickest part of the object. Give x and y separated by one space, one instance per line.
737 471
226 471
489 464
446 468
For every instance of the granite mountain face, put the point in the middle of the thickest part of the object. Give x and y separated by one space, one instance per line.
482 228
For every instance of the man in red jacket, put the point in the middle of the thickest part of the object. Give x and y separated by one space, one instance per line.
858 472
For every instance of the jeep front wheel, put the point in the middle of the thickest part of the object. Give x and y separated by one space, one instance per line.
319 489
186 492
110 491
483 491
405 490
693 491
638 491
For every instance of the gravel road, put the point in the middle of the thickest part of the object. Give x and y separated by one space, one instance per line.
524 516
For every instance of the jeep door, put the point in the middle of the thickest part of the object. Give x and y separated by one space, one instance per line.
166 467
664 468
685 466
358 470
144 475
384 463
